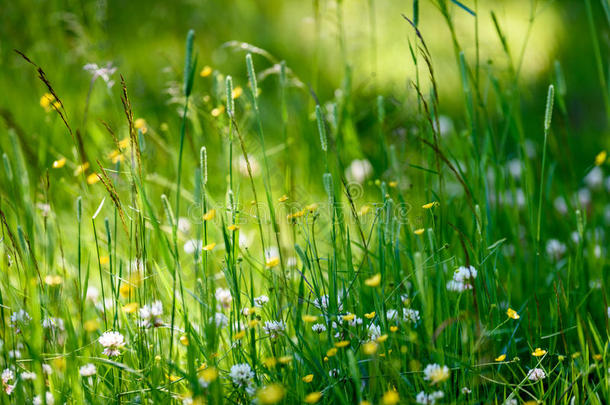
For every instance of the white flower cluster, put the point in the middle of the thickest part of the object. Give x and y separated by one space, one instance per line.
410 315
320 327
223 297
112 342
151 315
274 328
536 374
373 332
241 375
555 249
429 399
19 318
88 370
220 320
461 279
261 301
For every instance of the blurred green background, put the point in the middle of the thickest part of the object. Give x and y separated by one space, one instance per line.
144 40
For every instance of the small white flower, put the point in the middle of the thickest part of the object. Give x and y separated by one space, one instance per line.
242 165
112 342
53 323
436 373
192 245
220 319
105 72
93 294
241 375
510 401
536 374
274 328
466 390
151 315
224 297
334 373
464 274
514 168
18 319
8 375
410 315
555 249
261 301
319 327
560 205
595 178
456 286
373 331
28 375
429 399
392 314
46 369
584 196
88 370
359 170
50 400
355 322
184 225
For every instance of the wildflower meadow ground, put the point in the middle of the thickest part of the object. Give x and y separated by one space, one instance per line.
238 228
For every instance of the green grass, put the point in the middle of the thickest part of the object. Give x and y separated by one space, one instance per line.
260 231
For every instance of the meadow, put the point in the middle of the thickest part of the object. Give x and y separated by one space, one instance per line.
320 202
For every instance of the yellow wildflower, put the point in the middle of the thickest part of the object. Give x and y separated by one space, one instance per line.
601 158
308 378
91 325
369 348
369 315
93 178
209 374
271 394
209 246
538 352
390 398
206 71
284 359
239 335
512 313
343 343
130 308
309 318
283 198
430 205
233 227
419 231
393 328
313 397
349 317
382 338
373 281
270 362
236 92
59 163
216 112
501 357
208 216
272 262
140 124
81 168
331 352
53 280
184 340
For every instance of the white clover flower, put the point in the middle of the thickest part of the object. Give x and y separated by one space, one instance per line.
456 286
410 315
105 72
220 320
192 245
8 375
436 373
224 297
261 301
429 399
151 315
392 314
88 370
9 388
53 323
466 390
18 319
355 322
112 342
274 328
184 225
510 401
555 249
359 170
50 400
595 178
241 375
319 327
93 294
560 205
28 375
536 374
464 274
46 369
323 302
373 331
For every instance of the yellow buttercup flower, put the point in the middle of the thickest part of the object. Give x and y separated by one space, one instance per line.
236 92
331 352
382 338
140 124
209 374
270 362
308 378
284 360
369 315
239 335
309 318
343 343
216 112
501 357
253 323
206 71
81 168
512 313
365 209
419 231
271 394
233 227
392 184
538 352
370 348
130 308
390 398
393 328
104 260
184 340
91 325
208 216
272 262
53 280
373 281
283 198
93 178
430 205
312 397
601 158
209 247
349 317
59 163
